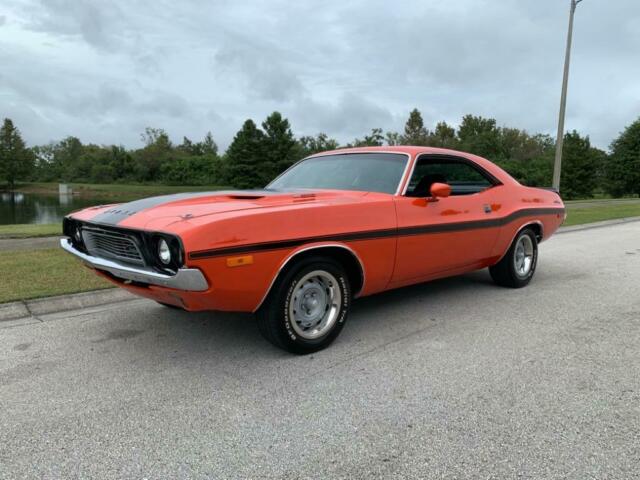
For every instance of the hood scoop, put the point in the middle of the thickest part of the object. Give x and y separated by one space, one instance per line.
277 196
247 196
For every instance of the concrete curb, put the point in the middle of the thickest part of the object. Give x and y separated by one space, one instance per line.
62 303
604 223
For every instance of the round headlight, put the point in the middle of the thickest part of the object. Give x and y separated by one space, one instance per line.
78 234
164 252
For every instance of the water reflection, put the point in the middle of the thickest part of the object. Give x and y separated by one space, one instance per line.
65 199
37 208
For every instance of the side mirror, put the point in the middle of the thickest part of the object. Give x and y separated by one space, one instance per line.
440 190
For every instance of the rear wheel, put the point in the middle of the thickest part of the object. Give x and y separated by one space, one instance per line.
517 267
307 306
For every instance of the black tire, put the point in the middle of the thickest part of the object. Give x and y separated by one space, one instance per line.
505 274
275 320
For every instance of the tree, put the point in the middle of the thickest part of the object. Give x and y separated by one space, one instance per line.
155 136
67 155
579 167
414 131
16 161
529 159
480 136
191 170
393 138
121 162
375 139
309 145
622 169
279 147
193 163
245 156
92 165
44 167
157 151
208 146
188 146
444 136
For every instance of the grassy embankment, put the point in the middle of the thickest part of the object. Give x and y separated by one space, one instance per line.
41 273
581 212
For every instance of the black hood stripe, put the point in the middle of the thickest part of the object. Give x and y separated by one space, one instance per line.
118 213
377 234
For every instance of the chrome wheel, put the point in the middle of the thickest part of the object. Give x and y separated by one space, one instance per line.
314 304
523 256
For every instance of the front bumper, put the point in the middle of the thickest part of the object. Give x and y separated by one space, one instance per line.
187 279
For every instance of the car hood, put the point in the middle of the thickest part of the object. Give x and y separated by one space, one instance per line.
158 212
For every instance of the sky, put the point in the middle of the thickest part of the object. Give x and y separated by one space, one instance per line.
105 70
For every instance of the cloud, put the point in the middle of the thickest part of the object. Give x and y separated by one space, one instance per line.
105 70
350 116
96 23
263 71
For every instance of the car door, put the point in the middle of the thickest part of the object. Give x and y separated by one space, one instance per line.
452 234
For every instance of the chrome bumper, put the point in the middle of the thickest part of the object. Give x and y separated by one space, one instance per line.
190 279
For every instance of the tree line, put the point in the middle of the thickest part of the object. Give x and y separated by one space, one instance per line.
258 153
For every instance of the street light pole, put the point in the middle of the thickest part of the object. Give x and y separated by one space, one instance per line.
563 100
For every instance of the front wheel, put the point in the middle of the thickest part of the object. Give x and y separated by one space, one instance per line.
517 267
307 307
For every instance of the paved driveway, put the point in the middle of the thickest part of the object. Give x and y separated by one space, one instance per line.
453 379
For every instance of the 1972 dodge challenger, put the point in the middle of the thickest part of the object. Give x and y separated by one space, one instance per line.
335 226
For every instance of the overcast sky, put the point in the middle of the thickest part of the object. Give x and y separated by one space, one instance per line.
104 70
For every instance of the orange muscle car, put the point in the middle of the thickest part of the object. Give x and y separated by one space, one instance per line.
334 226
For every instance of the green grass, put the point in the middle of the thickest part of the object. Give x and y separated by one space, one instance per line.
42 273
30 230
597 213
602 201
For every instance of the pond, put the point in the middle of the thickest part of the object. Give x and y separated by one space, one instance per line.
18 207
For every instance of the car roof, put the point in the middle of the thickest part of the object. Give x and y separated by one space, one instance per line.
409 149
413 151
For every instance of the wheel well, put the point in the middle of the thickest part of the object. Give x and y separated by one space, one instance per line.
537 229
344 256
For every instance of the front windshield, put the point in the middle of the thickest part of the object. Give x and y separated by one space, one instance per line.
368 172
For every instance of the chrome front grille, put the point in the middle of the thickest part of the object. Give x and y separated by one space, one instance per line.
114 245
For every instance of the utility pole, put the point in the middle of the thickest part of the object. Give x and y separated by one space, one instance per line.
563 100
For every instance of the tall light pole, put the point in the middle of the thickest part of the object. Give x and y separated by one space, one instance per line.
563 100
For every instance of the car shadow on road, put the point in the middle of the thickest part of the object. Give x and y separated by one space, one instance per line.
237 334
427 291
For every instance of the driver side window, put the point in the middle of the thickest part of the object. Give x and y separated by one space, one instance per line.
460 175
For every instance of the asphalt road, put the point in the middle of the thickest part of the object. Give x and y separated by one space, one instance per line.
453 379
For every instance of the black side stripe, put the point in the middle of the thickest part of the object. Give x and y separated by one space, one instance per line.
376 234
